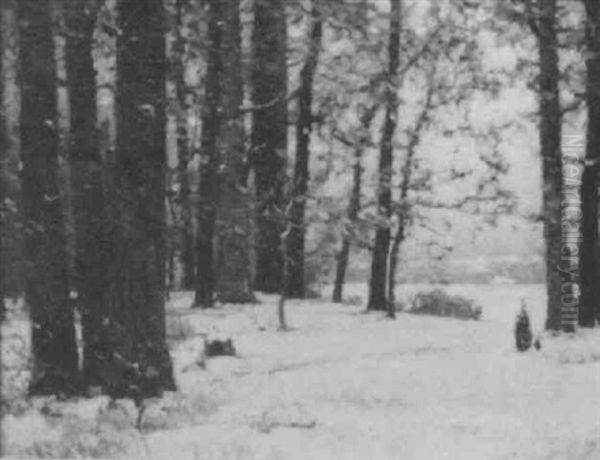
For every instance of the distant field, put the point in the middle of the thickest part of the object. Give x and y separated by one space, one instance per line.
481 270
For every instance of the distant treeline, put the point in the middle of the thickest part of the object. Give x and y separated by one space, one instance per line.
529 271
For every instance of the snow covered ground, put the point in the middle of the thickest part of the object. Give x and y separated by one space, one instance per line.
340 385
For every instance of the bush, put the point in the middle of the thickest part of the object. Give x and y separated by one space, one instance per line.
219 347
440 303
312 292
523 336
354 301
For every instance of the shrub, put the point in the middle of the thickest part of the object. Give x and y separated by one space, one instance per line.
440 303
523 334
354 301
219 347
312 292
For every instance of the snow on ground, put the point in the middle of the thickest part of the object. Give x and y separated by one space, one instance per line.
343 384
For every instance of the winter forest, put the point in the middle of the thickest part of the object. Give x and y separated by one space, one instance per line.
300 229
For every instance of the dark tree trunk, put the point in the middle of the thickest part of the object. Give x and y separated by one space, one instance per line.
4 180
91 263
295 287
281 315
403 208
343 257
354 204
4 171
589 309
140 364
550 139
269 138
397 240
11 273
46 291
377 287
188 250
233 215
11 283
205 270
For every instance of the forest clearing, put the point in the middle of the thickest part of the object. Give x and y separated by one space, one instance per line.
342 384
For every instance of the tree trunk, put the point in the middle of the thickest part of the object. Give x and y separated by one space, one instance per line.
398 239
402 207
343 257
377 287
11 255
589 309
4 180
296 236
233 215
55 359
550 139
281 315
140 364
205 270
269 138
91 263
354 204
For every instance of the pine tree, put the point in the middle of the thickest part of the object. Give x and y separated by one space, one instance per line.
589 309
297 229
405 185
11 241
140 364
55 358
3 172
207 203
355 200
269 137
178 66
550 144
379 266
234 212
91 263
